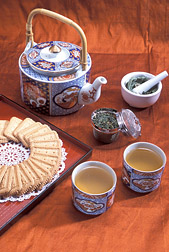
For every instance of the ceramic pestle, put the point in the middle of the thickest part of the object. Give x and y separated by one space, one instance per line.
144 87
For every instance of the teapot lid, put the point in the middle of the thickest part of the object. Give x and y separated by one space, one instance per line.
54 58
128 123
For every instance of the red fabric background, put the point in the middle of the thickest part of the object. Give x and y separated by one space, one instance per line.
123 36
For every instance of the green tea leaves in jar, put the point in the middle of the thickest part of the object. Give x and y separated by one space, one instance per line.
105 119
107 124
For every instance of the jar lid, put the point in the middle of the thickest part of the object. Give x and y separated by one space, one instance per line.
128 123
54 58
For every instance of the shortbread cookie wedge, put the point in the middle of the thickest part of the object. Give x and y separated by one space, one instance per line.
54 161
44 159
6 183
22 133
8 132
45 170
44 129
16 184
3 140
49 169
50 156
51 136
23 125
46 152
27 178
3 170
36 175
3 125
43 174
45 145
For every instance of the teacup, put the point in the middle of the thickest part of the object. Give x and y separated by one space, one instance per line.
93 187
139 176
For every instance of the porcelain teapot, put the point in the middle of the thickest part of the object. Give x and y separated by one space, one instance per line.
54 75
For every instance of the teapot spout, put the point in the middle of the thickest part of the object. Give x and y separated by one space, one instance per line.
90 93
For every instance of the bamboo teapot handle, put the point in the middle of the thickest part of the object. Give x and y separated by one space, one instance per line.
29 33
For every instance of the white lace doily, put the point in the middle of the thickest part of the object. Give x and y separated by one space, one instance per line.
12 153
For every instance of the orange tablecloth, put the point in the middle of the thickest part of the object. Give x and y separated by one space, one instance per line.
123 36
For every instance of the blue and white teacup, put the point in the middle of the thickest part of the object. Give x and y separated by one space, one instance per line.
93 204
142 181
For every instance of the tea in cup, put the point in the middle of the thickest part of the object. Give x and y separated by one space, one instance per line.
143 166
93 185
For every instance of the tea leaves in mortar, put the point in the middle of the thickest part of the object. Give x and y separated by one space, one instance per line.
136 81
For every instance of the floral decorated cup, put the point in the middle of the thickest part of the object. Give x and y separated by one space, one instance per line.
139 180
93 203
